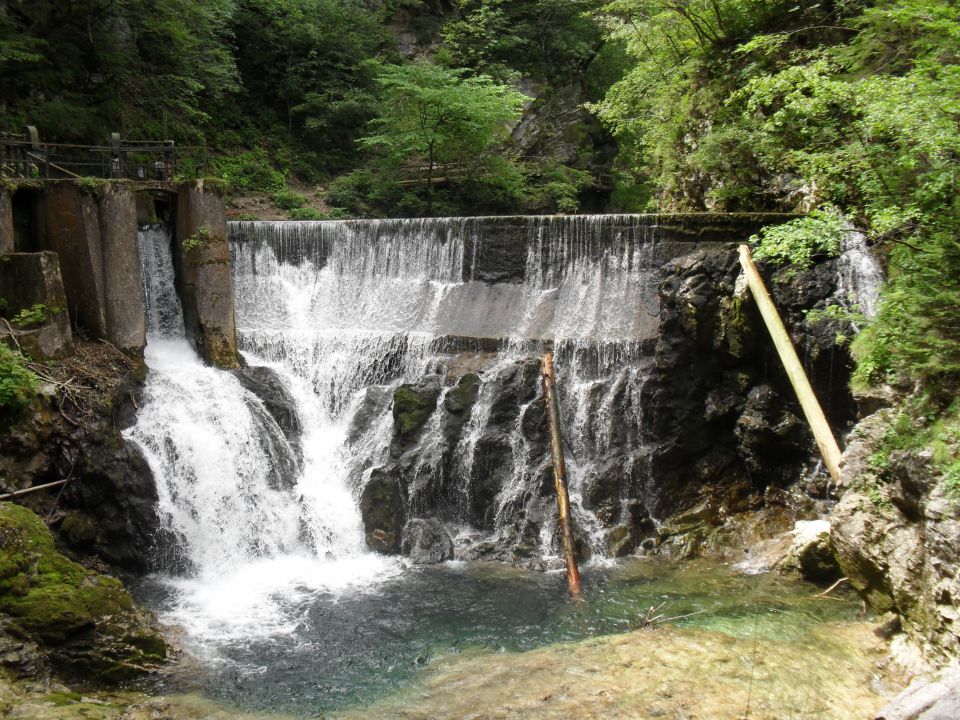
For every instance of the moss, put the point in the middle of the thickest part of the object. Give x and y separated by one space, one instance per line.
60 699
412 407
59 603
462 397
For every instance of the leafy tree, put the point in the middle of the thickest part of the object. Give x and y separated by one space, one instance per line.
437 115
303 66
548 39
83 68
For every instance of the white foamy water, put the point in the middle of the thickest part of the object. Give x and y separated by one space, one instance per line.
340 310
861 275
348 305
250 546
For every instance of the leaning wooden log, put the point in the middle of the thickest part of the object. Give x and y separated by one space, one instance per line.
34 488
560 473
791 363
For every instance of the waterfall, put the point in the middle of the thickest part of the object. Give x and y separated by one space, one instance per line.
860 275
348 308
237 534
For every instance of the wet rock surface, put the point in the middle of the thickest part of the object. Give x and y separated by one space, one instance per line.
707 416
426 541
382 510
107 509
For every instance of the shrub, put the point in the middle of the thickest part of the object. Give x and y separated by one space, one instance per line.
249 172
18 384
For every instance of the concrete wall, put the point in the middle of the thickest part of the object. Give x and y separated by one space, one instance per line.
28 279
71 228
203 273
122 282
6 222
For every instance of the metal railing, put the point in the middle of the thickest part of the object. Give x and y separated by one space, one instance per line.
26 157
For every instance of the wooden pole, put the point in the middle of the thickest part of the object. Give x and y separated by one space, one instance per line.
25 491
791 363
560 473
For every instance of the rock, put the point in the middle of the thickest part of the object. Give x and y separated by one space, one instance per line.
896 535
86 623
276 398
936 698
382 510
770 436
811 553
426 541
376 399
413 404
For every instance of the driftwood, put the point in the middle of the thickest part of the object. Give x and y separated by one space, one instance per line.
791 363
560 474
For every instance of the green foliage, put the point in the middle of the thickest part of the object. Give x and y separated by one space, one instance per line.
288 200
799 242
68 68
18 384
438 115
33 316
307 213
433 116
249 172
303 63
547 39
927 422
197 240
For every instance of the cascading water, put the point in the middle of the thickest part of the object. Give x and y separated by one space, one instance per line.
270 575
345 307
238 532
860 275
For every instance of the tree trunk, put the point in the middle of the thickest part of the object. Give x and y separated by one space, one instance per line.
791 363
560 474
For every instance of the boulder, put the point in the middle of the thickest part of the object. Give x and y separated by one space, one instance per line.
86 623
276 398
927 698
426 541
413 404
811 553
382 510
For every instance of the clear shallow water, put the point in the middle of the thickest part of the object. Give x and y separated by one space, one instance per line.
328 648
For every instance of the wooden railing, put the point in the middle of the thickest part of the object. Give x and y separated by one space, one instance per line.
25 156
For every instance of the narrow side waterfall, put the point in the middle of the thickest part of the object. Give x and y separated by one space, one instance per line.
861 275
244 516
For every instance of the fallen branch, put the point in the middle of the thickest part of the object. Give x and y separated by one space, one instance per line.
831 588
35 488
13 335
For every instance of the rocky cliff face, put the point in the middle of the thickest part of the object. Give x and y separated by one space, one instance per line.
719 431
107 509
896 533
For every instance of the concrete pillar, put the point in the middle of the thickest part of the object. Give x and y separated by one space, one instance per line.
28 279
6 222
122 281
71 228
202 258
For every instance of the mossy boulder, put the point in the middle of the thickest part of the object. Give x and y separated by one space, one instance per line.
412 407
86 622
